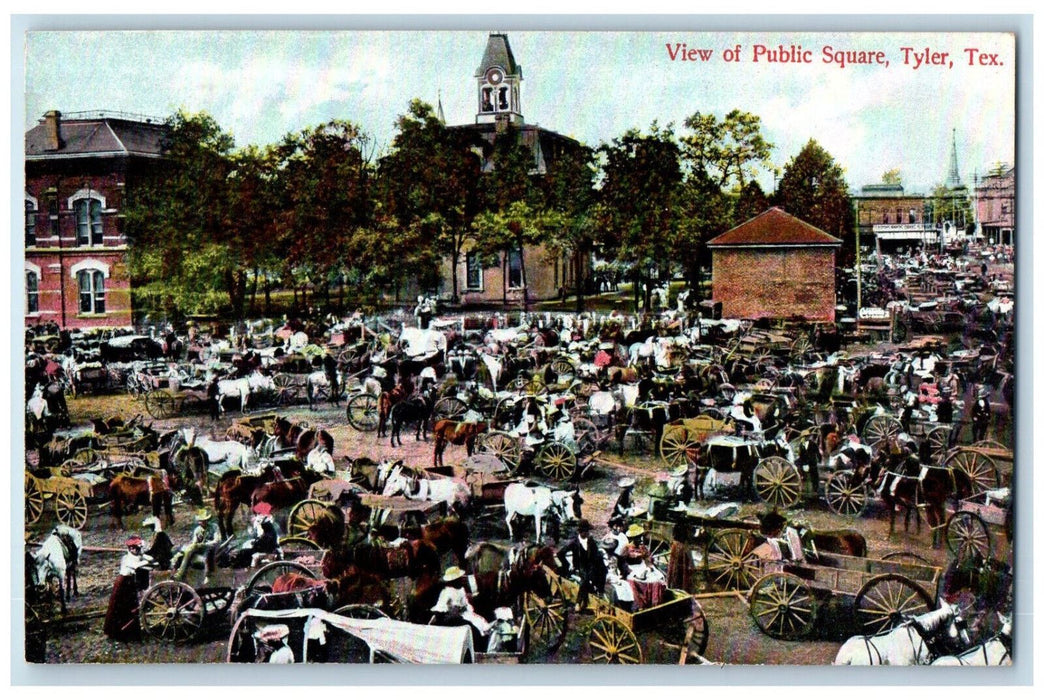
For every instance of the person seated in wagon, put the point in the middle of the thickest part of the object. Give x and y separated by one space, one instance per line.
265 539
275 637
625 507
454 608
201 546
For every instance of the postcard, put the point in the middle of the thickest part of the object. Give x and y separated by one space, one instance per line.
519 347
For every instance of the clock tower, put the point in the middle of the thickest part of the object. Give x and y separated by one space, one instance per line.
499 79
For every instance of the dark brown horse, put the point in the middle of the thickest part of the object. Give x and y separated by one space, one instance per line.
503 574
308 439
128 492
284 493
448 432
385 402
930 490
235 488
449 535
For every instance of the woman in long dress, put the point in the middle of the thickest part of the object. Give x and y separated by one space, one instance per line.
121 619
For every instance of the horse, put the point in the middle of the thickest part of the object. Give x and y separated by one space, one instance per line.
995 651
284 493
234 488
309 438
502 574
242 388
847 542
930 489
57 561
416 410
448 535
128 491
287 433
201 454
913 643
449 432
385 401
539 502
453 492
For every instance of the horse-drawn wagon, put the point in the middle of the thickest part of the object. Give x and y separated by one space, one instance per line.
612 636
390 516
968 529
69 496
565 459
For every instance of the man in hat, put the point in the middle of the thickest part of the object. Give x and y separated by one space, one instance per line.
121 618
276 636
625 507
944 409
330 369
581 560
981 414
454 604
265 539
205 537
679 487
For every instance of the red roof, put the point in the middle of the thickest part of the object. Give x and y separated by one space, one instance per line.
775 227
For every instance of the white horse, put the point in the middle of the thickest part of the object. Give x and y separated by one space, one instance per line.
995 651
225 454
56 560
242 388
538 502
453 492
907 644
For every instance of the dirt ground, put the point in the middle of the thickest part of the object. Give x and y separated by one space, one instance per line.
734 638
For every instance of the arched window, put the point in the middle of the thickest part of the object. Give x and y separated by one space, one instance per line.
88 221
30 222
32 292
92 291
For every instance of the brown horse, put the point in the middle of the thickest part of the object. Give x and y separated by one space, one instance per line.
307 440
287 433
284 493
385 402
447 535
446 432
929 490
129 492
503 574
235 488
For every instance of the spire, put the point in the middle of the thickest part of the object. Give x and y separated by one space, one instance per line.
498 77
441 115
953 178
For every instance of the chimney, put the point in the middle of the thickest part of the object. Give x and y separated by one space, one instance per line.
52 121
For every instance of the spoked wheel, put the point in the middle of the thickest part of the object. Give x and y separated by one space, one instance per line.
967 535
939 443
304 515
160 404
726 563
71 508
563 368
612 642
906 558
296 542
879 428
171 611
777 482
675 443
34 499
885 601
783 606
285 389
546 620
589 439
505 447
362 412
689 635
845 495
980 469
361 611
556 461
659 553
263 578
448 408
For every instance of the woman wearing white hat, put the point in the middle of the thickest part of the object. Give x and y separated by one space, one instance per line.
276 636
625 507
454 605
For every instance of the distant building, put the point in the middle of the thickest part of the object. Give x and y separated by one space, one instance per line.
995 206
888 218
79 169
775 266
499 111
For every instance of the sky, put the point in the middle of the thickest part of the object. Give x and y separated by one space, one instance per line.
592 86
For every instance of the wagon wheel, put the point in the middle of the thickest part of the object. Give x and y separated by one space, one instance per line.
546 619
263 578
980 469
939 443
71 507
159 403
675 443
589 438
660 553
34 499
556 461
800 347
82 458
132 386
727 391
726 562
361 611
563 368
298 542
304 515
880 427
448 408
285 389
991 445
503 446
783 606
777 482
884 601
171 611
967 535
612 642
761 357
689 635
845 495
906 558
362 412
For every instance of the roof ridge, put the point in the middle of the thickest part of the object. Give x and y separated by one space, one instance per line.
112 131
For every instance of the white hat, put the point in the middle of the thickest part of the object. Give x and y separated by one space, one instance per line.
626 482
453 573
272 633
504 614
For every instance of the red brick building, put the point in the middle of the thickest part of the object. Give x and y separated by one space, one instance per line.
995 206
775 266
78 171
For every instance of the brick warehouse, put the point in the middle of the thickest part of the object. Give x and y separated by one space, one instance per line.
78 170
775 266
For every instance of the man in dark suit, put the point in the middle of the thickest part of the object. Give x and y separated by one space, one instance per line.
581 560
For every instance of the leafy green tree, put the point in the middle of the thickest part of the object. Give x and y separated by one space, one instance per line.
751 201
570 222
892 177
726 152
813 188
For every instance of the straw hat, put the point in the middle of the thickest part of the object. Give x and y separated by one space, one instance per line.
202 515
680 470
635 530
626 482
453 573
273 633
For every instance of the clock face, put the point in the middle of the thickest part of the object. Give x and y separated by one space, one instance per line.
494 76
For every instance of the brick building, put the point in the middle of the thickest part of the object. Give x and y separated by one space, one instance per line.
889 218
995 206
499 111
78 171
774 266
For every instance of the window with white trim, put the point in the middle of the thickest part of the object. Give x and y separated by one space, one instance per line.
32 292
30 223
92 291
88 221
